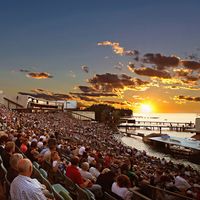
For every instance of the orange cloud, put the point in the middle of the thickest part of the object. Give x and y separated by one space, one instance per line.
118 49
39 75
182 72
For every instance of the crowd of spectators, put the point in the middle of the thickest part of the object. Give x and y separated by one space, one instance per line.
97 161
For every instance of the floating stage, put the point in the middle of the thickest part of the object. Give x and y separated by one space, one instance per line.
187 147
171 140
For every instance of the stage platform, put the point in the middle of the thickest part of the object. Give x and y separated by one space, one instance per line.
184 142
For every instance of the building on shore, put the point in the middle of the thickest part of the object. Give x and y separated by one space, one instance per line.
23 102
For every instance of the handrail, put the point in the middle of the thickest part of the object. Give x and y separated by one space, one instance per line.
138 196
13 102
164 192
73 112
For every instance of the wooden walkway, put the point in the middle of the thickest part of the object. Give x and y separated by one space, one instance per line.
153 125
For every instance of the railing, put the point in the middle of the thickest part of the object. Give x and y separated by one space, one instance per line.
161 194
138 196
80 117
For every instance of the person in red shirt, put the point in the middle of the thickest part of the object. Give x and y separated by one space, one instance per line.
73 173
108 160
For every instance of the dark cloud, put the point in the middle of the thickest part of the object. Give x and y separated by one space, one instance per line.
47 95
188 98
39 75
114 103
86 88
136 58
194 65
193 57
146 71
161 61
111 82
62 96
85 98
85 68
40 90
96 94
24 70
192 78
40 96
173 87
131 53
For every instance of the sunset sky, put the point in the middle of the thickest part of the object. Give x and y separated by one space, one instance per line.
125 53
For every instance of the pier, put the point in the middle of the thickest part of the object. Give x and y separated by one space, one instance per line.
156 125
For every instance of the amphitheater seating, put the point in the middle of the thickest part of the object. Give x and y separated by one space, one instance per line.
83 194
43 173
157 193
139 196
108 197
70 185
59 190
36 164
36 174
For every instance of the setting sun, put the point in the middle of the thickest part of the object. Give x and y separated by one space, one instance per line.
146 108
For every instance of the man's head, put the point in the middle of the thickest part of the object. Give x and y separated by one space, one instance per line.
25 167
74 160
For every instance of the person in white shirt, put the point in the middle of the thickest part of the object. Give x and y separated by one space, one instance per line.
120 187
23 187
181 183
40 144
81 150
95 168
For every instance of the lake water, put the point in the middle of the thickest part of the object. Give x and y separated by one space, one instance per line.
137 142
167 117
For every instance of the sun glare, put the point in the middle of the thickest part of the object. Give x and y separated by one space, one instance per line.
146 108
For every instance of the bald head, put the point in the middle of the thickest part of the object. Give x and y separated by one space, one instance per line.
25 167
